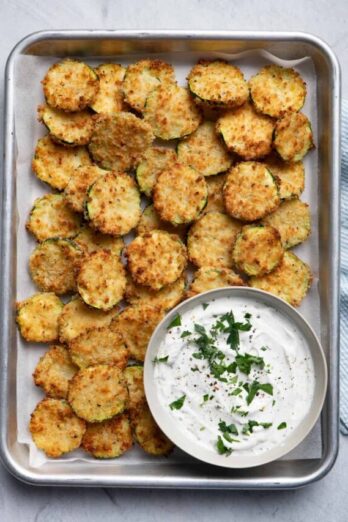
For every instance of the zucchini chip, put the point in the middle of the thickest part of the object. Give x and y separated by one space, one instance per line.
70 85
113 204
208 278
156 259
149 436
99 345
98 393
215 199
109 98
51 217
136 325
218 83
77 317
119 140
37 317
204 151
55 428
293 137
166 298
291 280
154 161
150 220
54 265
54 372
108 439
76 189
90 241
180 194
290 177
101 281
142 78
134 376
276 90
55 164
69 129
246 132
250 191
171 112
258 250
293 222
211 239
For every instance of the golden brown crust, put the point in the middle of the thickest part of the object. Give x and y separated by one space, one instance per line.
134 376
292 220
180 194
215 199
38 316
108 439
149 436
209 277
109 98
91 241
293 136
211 239
154 161
71 129
250 192
55 428
258 250
54 371
289 176
82 178
150 220
166 298
156 259
98 393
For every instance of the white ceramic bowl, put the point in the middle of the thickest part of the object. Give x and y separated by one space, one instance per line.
173 429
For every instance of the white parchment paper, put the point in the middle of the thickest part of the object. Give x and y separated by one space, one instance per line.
28 95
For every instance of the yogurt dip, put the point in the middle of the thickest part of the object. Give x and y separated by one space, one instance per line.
236 374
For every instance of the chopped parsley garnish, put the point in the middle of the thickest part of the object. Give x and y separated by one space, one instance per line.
221 448
175 322
255 387
186 333
247 315
195 369
282 426
244 362
232 328
250 425
160 359
237 391
178 404
231 428
236 409
205 306
264 348
206 397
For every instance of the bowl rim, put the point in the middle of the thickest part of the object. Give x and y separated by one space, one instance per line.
166 421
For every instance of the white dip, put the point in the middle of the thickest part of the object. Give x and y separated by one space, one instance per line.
223 398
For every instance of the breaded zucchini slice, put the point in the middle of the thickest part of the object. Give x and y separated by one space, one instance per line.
119 140
91 241
180 194
51 217
98 393
108 439
218 83
290 177
150 220
54 371
258 250
109 98
292 220
81 179
77 317
276 90
136 324
101 280
142 78
211 239
291 280
215 199
149 436
204 151
246 132
250 191
70 85
156 259
37 317
134 376
171 112
55 428
293 136
54 265
113 204
209 277
70 129
154 161
55 164
166 298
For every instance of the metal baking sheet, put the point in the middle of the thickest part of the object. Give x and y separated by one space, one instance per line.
179 471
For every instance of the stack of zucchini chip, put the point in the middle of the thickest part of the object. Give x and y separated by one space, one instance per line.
217 192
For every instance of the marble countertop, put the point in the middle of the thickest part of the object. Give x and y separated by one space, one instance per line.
325 500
